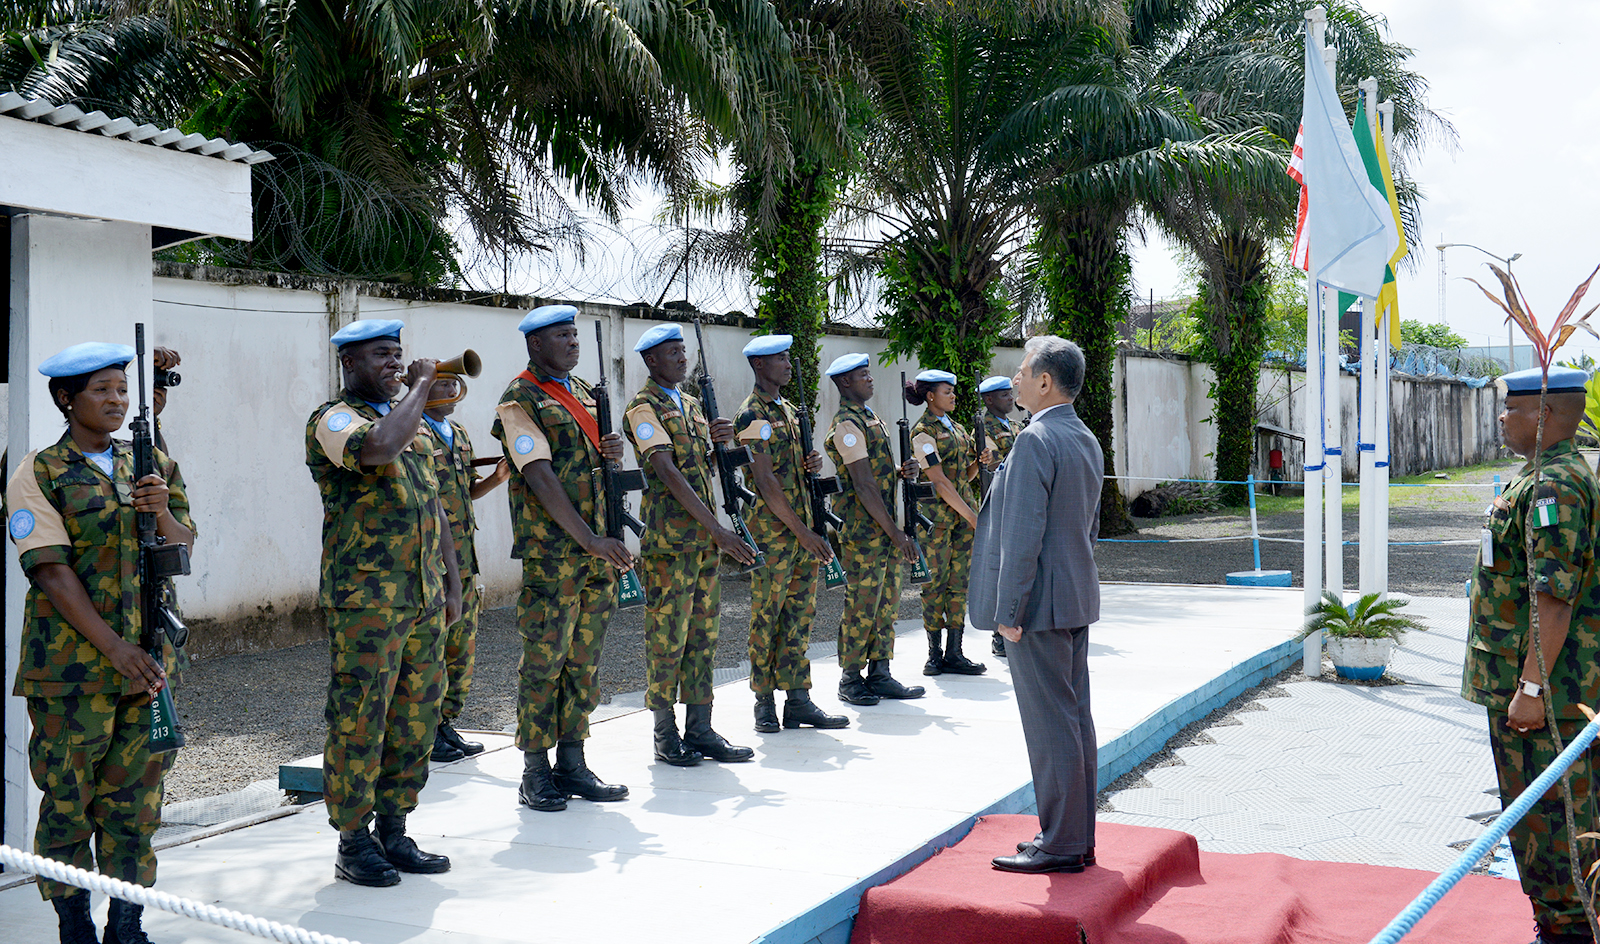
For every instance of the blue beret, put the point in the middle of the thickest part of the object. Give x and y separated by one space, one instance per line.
768 344
660 334
991 384
937 377
547 315
86 359
1562 380
367 329
845 363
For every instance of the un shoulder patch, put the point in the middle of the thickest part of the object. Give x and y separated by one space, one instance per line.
766 430
338 421
523 445
646 431
22 522
849 439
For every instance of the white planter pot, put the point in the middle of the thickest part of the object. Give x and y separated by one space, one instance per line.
1356 658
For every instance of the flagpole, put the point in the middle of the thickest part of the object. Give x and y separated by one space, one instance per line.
1311 561
1381 432
1367 426
1332 412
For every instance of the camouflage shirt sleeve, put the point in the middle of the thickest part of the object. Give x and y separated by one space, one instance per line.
340 434
753 427
1562 539
35 523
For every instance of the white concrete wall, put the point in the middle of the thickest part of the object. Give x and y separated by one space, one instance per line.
71 281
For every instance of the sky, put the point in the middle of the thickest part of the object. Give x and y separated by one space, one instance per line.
1519 82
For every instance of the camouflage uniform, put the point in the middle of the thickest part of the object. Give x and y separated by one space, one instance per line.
88 752
678 558
783 594
1001 435
869 557
453 465
948 544
1564 554
383 588
567 595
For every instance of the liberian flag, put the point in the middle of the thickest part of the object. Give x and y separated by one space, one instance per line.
1301 254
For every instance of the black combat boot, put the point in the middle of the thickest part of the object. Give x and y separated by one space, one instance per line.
451 735
997 645
669 747
954 661
123 923
935 663
884 685
698 736
853 689
766 714
573 777
443 751
401 850
799 709
77 925
538 790
361 862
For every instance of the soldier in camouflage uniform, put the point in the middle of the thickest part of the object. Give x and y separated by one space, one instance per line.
783 593
459 486
1000 430
1502 670
872 546
87 681
948 455
390 587
681 546
546 424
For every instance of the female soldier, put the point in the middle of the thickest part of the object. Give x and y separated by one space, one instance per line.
88 683
948 455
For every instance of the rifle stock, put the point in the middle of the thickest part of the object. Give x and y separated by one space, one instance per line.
728 458
616 483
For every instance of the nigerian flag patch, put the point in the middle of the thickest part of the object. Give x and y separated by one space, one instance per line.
1544 512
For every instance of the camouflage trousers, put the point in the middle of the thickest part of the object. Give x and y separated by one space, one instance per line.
1540 840
562 610
383 709
88 754
460 644
783 602
866 630
680 633
944 597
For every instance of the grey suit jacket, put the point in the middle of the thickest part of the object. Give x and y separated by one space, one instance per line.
1033 559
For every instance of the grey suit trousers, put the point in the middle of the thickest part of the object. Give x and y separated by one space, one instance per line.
1050 672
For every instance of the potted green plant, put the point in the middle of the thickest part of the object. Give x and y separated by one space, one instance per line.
1360 637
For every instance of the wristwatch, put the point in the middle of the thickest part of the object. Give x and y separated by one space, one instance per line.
1530 689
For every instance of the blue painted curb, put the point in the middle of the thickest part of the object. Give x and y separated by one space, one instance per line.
1259 578
831 921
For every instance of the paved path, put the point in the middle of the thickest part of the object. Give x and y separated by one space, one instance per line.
1394 775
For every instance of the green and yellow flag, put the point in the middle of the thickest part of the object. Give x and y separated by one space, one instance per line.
1376 158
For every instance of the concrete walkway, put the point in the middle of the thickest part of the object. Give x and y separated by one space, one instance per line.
1394 775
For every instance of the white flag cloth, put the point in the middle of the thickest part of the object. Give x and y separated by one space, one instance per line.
1351 227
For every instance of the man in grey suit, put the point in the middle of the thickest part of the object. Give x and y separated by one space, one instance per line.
1034 579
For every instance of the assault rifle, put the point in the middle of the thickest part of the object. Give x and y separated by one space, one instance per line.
158 561
729 458
616 482
981 436
819 488
911 492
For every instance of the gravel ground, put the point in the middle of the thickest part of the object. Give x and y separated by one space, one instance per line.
246 714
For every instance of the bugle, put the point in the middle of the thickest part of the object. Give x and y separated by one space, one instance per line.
469 364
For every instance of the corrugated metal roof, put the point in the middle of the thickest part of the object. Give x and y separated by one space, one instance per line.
74 118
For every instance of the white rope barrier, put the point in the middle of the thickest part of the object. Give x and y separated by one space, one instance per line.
150 898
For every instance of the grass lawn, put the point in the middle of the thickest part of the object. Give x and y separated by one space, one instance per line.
1427 494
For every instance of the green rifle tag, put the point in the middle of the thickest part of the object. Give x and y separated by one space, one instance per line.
919 570
630 592
165 735
744 532
833 575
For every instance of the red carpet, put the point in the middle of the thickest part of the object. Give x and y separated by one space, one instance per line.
1154 886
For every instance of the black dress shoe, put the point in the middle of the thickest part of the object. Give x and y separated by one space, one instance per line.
767 714
799 709
443 751
884 685
573 777
1033 861
699 736
853 689
450 734
360 861
669 748
401 850
538 790
1088 857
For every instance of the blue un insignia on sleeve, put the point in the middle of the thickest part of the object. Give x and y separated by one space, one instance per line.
338 421
21 524
523 445
646 431
766 430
